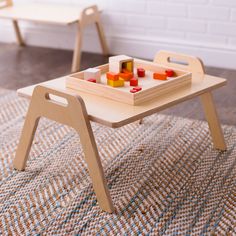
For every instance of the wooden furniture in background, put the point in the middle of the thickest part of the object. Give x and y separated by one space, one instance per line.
57 15
5 3
80 108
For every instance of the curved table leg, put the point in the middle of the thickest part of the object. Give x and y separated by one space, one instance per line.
73 114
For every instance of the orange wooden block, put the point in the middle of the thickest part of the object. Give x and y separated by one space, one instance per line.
112 76
160 76
126 76
126 71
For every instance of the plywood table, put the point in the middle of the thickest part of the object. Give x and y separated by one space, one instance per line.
55 15
54 101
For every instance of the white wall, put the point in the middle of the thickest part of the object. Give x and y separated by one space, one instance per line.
205 28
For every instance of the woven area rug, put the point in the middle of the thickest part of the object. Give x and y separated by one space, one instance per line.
164 176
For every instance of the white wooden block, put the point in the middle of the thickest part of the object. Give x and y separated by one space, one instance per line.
93 73
115 63
114 67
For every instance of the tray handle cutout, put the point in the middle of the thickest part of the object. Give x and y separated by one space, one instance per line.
175 61
180 61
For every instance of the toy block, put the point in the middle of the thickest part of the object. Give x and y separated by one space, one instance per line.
118 63
126 76
137 88
92 80
93 73
140 72
134 82
170 73
133 91
126 71
112 76
116 83
159 76
129 66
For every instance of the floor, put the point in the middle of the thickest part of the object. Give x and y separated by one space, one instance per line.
20 67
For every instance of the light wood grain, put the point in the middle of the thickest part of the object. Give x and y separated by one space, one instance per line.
115 114
5 3
174 60
107 112
213 121
196 66
72 113
58 15
102 38
19 38
43 13
150 88
89 15
77 50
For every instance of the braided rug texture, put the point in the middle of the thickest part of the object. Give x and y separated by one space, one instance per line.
164 176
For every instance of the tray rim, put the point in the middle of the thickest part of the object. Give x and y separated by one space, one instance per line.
132 97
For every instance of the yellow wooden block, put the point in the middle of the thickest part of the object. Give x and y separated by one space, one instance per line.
116 83
129 66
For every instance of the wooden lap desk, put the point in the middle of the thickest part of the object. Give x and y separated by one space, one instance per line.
55 15
81 108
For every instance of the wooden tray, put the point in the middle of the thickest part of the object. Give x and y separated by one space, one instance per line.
150 88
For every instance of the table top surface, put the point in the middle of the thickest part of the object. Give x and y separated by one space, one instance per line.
116 114
43 13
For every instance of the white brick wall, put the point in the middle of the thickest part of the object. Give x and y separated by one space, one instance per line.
205 28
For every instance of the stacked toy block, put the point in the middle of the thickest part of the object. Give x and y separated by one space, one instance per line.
121 67
121 70
92 75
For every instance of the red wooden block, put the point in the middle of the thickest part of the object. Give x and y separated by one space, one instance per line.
133 91
133 82
170 73
112 76
137 88
92 80
159 76
140 72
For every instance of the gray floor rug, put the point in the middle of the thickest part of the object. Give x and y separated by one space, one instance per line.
164 176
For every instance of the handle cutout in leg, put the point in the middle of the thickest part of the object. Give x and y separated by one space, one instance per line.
56 99
89 15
